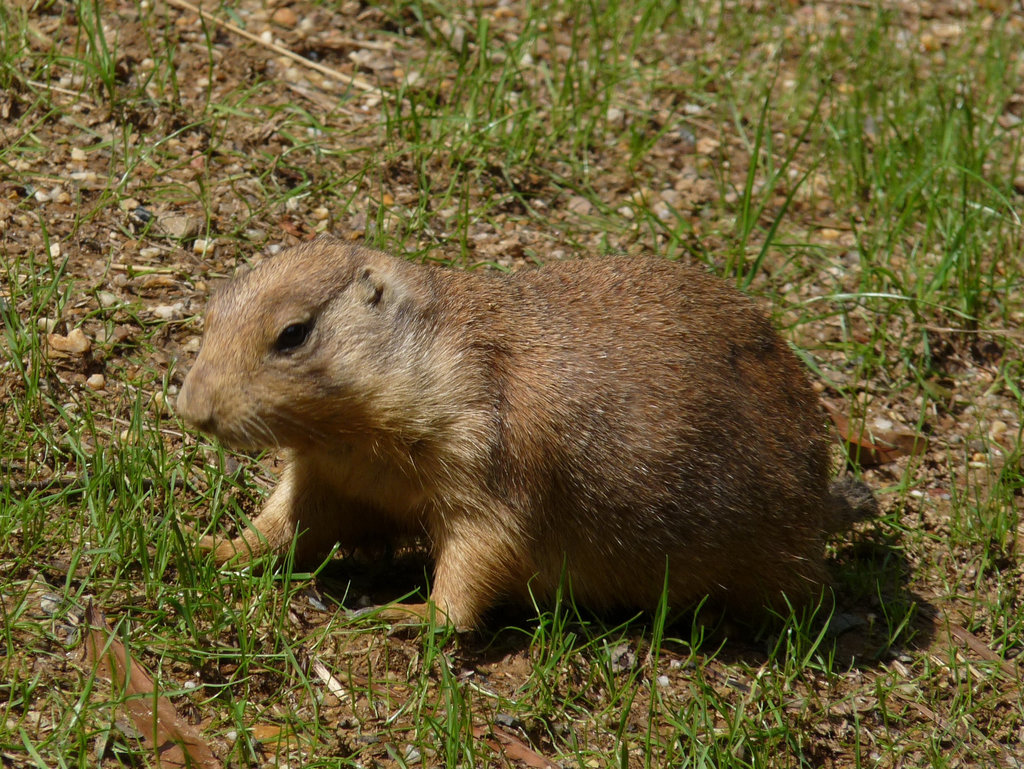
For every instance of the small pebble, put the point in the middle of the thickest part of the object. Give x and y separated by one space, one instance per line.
706 145
160 404
412 755
142 214
75 343
285 17
642 197
580 205
107 299
96 382
49 603
180 226
506 720
168 311
844 622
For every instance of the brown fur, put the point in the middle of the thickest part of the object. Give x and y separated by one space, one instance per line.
604 418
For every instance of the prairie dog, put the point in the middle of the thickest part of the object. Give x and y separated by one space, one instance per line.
606 419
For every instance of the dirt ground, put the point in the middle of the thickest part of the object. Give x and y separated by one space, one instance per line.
145 203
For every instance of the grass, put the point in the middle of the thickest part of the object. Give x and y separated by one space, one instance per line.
860 174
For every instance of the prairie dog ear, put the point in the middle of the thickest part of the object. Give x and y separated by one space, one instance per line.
373 286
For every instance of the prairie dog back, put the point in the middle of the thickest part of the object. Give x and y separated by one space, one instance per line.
606 418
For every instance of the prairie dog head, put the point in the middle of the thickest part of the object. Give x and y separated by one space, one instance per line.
294 350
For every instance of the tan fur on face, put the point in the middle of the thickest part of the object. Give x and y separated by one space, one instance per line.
605 418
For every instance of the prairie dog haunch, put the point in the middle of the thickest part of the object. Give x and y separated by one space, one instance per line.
605 418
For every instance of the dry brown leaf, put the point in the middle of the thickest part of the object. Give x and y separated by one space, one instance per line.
269 732
296 230
876 447
512 747
976 645
175 743
155 280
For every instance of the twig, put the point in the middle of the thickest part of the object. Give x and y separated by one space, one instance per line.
319 98
1012 333
54 88
341 77
353 42
142 271
333 685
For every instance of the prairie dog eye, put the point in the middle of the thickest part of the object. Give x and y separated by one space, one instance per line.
294 335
